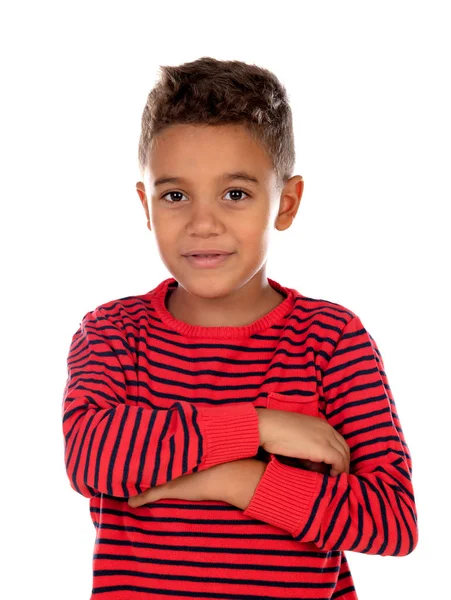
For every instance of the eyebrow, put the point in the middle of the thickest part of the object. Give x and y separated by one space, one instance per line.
236 175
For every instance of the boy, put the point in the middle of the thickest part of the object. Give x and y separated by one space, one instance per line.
234 436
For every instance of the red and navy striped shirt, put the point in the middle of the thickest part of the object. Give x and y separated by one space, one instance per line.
149 398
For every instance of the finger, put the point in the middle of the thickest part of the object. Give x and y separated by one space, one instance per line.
338 458
343 443
140 499
136 501
340 444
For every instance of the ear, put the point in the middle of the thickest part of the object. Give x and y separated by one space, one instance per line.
141 190
290 199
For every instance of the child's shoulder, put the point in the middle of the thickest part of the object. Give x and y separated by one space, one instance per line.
326 314
126 307
323 308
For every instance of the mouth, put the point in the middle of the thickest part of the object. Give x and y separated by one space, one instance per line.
208 260
210 255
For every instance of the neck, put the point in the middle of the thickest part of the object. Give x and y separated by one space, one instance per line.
234 309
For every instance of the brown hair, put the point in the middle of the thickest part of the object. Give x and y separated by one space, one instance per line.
213 92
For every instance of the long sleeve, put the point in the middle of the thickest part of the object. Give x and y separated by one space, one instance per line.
372 509
116 446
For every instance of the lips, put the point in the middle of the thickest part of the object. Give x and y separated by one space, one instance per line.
203 261
206 252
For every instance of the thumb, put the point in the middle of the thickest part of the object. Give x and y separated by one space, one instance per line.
140 499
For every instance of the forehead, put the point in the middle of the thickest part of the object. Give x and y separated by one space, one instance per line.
189 153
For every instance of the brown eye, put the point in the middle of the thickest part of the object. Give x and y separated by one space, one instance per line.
240 192
170 202
233 200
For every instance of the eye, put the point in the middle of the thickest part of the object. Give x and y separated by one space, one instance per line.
169 201
240 192
233 200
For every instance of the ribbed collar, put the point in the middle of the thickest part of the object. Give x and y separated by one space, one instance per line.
160 294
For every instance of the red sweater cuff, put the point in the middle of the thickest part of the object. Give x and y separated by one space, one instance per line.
230 433
284 496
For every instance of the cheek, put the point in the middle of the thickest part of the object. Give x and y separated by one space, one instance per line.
253 233
163 218
166 229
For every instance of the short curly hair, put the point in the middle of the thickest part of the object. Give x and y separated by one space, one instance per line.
220 92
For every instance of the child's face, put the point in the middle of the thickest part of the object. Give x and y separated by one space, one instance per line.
206 211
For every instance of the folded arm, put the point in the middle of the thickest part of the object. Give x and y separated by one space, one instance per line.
115 446
371 509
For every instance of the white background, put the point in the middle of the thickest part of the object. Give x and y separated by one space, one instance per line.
368 83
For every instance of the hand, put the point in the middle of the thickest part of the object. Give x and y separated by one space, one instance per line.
303 437
208 484
233 482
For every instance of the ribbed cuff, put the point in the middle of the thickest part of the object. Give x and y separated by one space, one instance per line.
284 496
230 433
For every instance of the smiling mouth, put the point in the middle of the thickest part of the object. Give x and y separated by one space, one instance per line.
208 260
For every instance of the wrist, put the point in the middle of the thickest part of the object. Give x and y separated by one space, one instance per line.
244 481
263 418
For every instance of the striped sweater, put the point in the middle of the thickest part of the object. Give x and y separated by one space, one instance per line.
149 398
